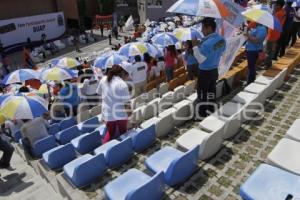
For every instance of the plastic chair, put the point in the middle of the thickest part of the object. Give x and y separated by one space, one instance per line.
135 185
67 123
87 142
53 129
85 169
268 182
141 138
59 156
65 136
116 153
176 165
43 145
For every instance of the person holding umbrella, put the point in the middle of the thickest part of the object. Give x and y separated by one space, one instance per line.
254 45
208 54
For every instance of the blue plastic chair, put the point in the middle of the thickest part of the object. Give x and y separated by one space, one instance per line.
176 165
89 125
67 123
53 129
17 136
115 152
57 157
85 169
65 136
268 182
87 142
43 145
141 138
135 185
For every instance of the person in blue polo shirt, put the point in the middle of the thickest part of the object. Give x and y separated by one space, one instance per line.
69 96
208 54
254 46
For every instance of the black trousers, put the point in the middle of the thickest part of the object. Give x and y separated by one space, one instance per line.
7 153
281 44
206 91
295 32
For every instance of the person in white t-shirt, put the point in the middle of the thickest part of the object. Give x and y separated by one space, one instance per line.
115 102
138 75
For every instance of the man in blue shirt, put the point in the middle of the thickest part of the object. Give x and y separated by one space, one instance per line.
69 96
254 46
208 55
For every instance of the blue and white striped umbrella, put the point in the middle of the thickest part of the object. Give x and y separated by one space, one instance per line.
23 107
152 50
133 49
20 75
296 3
66 62
184 34
263 7
109 60
164 39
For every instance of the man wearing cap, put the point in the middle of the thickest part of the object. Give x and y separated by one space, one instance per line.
208 55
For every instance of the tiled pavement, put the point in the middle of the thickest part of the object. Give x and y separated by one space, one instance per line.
221 176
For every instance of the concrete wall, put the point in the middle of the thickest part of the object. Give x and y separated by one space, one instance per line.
22 8
154 12
69 7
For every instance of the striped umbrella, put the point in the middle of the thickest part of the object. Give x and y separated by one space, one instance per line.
109 60
296 3
23 107
66 62
262 7
58 74
20 75
133 49
164 39
263 17
184 34
204 8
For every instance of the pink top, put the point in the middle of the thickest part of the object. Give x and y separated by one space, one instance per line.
169 59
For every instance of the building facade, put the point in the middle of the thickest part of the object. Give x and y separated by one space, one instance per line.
153 9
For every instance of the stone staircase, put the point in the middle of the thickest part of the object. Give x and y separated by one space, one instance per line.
22 182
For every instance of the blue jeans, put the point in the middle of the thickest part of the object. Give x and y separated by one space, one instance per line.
169 73
252 57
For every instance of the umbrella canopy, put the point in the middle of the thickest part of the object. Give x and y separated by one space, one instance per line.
58 74
263 17
205 8
20 75
109 60
184 34
164 39
2 119
152 50
23 107
263 7
133 49
296 3
66 62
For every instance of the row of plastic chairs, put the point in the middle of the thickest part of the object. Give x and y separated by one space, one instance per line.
280 174
226 121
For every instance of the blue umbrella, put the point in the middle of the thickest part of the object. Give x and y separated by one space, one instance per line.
164 39
109 61
20 75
